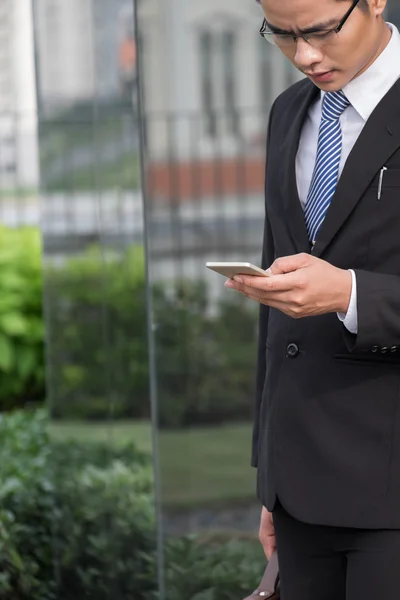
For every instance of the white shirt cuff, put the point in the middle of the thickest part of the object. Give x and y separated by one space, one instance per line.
350 319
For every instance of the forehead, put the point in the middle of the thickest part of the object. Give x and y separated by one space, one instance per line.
300 14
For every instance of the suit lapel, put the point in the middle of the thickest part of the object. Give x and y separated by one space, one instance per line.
288 151
376 143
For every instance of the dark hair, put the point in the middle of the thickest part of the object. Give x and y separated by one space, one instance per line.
363 4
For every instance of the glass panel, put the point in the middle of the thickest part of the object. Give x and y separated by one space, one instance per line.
206 127
24 518
103 521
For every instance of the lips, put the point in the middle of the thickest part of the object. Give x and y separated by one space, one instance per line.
322 76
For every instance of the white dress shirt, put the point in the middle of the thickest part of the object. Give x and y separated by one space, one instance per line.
364 94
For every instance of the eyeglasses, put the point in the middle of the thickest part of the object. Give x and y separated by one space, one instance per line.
317 38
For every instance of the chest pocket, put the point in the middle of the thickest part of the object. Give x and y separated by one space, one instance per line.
390 180
384 204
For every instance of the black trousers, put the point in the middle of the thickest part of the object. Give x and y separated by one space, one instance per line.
318 562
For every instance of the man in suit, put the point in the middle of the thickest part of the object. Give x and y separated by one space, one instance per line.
326 439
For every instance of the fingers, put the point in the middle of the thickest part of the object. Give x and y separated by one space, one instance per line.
287 264
279 301
284 274
268 299
249 283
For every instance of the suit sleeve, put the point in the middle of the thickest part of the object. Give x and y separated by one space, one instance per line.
378 310
268 255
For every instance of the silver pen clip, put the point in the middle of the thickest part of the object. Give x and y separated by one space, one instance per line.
380 184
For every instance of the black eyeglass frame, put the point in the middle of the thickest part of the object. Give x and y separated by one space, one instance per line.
337 29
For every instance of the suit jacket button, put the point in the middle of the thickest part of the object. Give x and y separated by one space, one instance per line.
375 349
394 349
384 349
292 350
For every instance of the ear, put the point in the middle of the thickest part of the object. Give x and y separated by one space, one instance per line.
377 7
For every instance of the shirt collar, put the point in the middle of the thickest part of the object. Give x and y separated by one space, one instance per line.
367 90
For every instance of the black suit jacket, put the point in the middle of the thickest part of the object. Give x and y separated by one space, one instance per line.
326 434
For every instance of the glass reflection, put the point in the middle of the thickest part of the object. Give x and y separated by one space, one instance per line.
103 521
207 98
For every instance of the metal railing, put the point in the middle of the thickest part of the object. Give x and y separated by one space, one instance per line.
204 195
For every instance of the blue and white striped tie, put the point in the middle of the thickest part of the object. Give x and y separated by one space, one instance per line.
325 176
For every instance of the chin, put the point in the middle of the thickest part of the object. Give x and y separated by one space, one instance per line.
330 87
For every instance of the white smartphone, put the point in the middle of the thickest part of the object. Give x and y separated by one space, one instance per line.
230 269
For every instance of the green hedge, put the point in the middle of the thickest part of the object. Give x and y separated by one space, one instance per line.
213 569
21 322
205 356
99 357
71 516
77 521
97 349
97 332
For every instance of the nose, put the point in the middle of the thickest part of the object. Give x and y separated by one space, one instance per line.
306 55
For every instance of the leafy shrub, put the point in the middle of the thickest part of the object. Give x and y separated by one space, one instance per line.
26 498
77 521
212 570
205 356
21 323
97 339
98 349
98 336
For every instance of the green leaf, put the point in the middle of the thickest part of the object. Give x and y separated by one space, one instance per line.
36 329
16 559
27 361
6 353
10 280
9 300
13 323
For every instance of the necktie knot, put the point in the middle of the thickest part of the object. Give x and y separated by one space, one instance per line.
333 106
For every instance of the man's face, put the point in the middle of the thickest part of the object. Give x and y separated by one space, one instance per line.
351 51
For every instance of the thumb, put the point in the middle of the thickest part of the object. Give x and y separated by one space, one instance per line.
288 264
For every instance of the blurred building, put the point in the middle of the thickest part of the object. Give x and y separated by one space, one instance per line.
65 48
209 80
18 139
83 54
196 58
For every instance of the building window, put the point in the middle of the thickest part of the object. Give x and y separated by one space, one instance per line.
218 69
229 66
207 87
